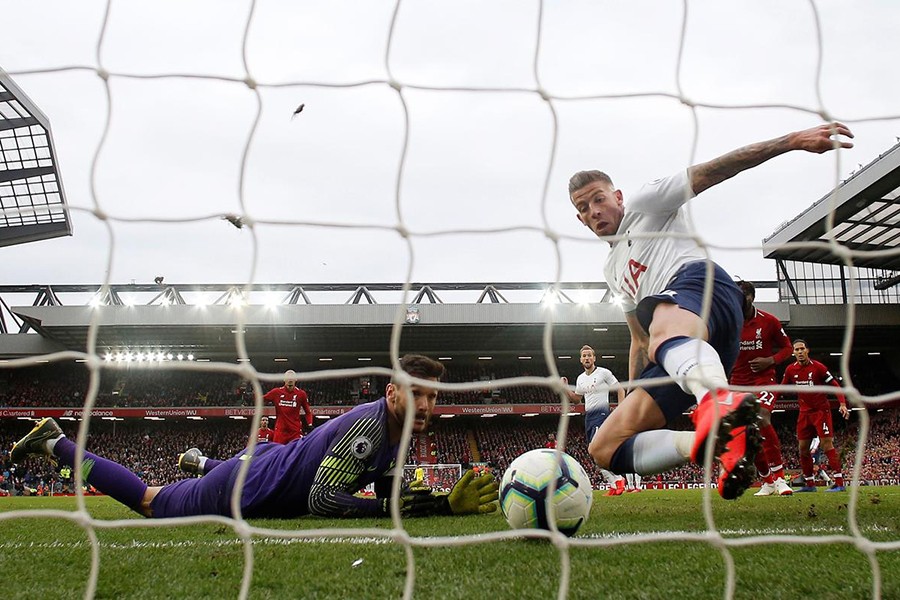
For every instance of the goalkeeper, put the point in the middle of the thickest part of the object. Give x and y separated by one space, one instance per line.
318 474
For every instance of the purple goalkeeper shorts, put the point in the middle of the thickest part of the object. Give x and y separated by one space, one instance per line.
198 496
207 495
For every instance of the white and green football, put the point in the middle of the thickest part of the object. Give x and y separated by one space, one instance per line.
526 484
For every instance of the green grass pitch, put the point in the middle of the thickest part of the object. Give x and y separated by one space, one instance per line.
50 558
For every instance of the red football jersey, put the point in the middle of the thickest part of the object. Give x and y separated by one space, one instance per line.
264 434
814 373
287 412
762 336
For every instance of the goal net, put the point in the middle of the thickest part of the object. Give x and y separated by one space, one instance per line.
358 141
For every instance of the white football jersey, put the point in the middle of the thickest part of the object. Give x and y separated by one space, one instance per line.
638 267
595 388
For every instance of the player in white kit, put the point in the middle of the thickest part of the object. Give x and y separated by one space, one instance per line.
593 386
661 280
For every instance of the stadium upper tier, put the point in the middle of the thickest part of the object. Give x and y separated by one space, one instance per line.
351 325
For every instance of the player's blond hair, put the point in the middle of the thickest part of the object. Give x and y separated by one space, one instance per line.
586 347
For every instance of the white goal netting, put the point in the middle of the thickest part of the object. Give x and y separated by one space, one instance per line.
435 143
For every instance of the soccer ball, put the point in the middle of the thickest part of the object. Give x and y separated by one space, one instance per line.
524 488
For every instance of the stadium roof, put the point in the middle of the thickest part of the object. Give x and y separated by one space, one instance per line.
32 201
345 334
866 219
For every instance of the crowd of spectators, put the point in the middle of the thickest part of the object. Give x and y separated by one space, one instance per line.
150 449
59 385
67 385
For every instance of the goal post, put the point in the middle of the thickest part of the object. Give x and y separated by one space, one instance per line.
440 477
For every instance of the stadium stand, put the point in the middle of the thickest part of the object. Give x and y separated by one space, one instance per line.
65 386
60 385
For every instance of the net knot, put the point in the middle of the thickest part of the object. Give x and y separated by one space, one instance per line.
242 529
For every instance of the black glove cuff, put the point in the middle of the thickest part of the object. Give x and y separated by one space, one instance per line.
443 505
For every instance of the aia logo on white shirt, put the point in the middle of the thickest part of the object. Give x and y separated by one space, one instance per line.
631 277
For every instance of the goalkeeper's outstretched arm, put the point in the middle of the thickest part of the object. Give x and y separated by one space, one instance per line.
470 495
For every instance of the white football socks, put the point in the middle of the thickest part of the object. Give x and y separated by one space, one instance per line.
660 450
51 444
696 367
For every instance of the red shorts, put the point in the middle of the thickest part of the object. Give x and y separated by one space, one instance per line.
766 400
814 423
283 437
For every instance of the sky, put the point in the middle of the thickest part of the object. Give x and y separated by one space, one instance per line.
322 186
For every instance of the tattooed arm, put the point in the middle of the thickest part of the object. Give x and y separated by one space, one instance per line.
638 356
816 139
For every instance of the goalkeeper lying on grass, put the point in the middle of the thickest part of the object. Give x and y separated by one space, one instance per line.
317 474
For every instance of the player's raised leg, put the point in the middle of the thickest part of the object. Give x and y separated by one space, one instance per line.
699 368
107 476
633 439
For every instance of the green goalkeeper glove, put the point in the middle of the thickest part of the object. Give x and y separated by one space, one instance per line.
473 495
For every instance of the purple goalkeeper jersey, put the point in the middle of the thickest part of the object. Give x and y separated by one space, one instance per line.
317 474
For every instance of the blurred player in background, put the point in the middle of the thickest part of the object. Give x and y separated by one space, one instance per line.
814 418
592 386
319 474
764 344
288 400
419 475
264 434
661 281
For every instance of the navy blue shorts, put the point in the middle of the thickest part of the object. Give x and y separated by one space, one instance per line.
726 319
592 422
